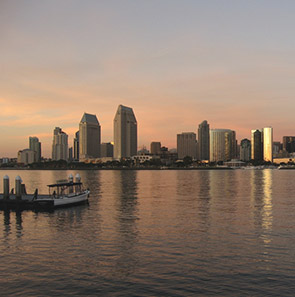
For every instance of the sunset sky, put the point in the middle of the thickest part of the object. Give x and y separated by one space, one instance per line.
176 63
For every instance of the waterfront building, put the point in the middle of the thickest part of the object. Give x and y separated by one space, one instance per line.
222 145
76 146
277 148
187 145
155 148
257 145
106 150
59 145
245 150
89 137
142 158
268 144
35 146
125 133
204 141
289 144
26 156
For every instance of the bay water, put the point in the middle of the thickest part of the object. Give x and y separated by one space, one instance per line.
154 233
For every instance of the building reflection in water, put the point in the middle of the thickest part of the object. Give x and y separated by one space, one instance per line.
204 200
223 190
126 185
261 195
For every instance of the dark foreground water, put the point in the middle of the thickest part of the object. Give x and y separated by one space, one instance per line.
155 233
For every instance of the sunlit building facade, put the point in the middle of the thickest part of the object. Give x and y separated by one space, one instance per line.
268 144
125 133
222 145
89 137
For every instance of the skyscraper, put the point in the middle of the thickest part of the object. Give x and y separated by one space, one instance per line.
35 146
222 145
89 137
187 145
245 150
268 144
125 133
59 145
76 146
203 141
257 145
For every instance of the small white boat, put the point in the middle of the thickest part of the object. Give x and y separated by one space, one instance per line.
63 193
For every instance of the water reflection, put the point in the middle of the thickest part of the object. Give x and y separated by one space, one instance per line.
261 196
204 200
18 221
126 185
66 218
224 190
6 223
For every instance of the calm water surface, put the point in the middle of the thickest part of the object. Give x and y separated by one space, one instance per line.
155 233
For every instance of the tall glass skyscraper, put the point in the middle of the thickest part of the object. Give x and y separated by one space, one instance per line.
222 145
257 144
267 144
125 133
203 141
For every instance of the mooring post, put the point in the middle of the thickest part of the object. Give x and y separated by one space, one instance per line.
78 180
6 187
18 187
71 180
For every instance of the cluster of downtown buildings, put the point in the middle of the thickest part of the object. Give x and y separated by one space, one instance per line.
211 145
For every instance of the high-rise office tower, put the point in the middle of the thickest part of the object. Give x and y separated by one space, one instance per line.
222 145
257 144
268 144
245 150
76 146
89 137
125 133
187 145
59 145
155 148
203 141
35 146
289 144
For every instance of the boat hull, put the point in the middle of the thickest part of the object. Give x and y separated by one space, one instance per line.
62 201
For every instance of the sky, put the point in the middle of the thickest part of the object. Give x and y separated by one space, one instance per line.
176 63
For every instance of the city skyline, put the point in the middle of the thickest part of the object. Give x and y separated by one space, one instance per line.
176 63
